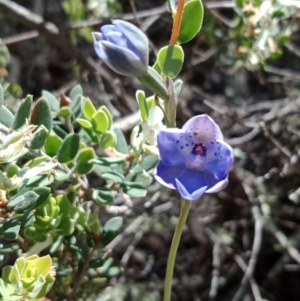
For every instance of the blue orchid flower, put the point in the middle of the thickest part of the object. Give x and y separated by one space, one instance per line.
123 47
194 159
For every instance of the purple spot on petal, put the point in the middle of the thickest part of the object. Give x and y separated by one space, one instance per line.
199 150
177 141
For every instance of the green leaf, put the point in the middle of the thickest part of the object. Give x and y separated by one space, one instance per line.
41 114
64 204
114 224
100 122
12 170
108 115
69 148
52 145
84 123
22 113
56 244
109 261
9 249
24 202
121 145
39 138
108 139
88 109
143 179
6 116
98 262
35 234
26 219
59 131
114 272
103 196
113 176
11 229
108 160
43 265
85 155
239 3
191 21
52 100
65 112
44 193
170 60
150 162
156 67
134 190
141 99
32 163
66 226
76 97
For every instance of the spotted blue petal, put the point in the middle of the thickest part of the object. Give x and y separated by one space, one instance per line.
194 160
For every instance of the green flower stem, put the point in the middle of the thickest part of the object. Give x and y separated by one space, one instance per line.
185 209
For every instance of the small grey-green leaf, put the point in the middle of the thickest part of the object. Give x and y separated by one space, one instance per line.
114 224
22 113
134 190
24 203
69 148
103 196
121 145
113 176
108 139
75 92
6 116
76 97
41 114
40 137
149 162
43 193
11 229
52 100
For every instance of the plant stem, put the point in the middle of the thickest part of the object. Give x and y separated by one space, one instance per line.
177 22
185 209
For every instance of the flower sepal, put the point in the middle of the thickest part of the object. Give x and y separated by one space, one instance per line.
154 83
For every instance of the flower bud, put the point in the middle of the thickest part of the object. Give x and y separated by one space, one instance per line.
123 47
